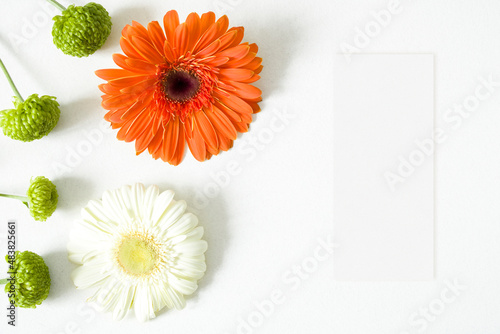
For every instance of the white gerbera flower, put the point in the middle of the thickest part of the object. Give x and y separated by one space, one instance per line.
139 249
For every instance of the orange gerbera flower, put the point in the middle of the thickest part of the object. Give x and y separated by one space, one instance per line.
190 84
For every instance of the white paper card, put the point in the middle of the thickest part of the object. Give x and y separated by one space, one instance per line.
384 167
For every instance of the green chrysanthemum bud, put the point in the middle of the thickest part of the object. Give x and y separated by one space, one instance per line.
41 198
81 31
32 119
31 285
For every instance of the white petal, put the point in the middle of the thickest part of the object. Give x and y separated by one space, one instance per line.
172 214
97 211
177 298
149 202
156 297
137 198
90 274
184 286
195 234
78 250
115 205
197 262
161 204
94 214
124 302
165 297
83 241
142 304
191 248
183 225
95 256
107 297
126 196
190 267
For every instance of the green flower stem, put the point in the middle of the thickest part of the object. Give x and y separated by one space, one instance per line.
57 4
4 281
12 85
23 199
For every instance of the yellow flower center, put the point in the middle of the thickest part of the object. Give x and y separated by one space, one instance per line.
137 255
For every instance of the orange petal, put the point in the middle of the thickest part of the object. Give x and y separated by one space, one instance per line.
109 89
241 62
170 138
212 151
134 65
181 145
156 35
119 60
188 127
247 92
207 19
215 31
114 115
196 145
252 79
227 40
231 114
130 125
194 29
223 22
224 87
236 74
128 49
142 142
181 39
139 30
115 126
146 50
128 31
168 52
139 125
221 123
241 127
156 142
239 36
138 106
141 66
236 52
235 103
114 73
207 37
118 101
124 129
209 50
205 127
139 87
255 106
170 22
224 142
132 112
253 47
254 64
216 61
127 81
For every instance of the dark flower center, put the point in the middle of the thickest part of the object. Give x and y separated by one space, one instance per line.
180 86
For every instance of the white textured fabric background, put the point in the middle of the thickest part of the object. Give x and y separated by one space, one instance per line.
263 222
